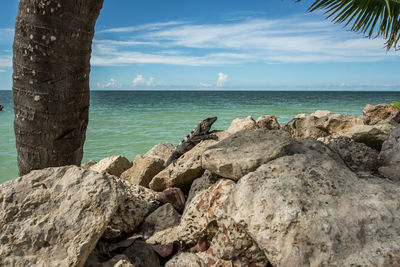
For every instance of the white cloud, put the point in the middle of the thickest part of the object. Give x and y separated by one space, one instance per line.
5 61
222 78
205 85
150 26
287 40
113 83
140 81
2 70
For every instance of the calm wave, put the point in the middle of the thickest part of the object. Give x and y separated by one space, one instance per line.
131 122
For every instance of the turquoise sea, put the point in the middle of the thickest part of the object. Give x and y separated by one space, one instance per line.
131 122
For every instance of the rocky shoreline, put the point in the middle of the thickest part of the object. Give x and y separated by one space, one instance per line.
322 190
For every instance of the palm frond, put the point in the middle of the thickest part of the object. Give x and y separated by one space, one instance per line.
371 17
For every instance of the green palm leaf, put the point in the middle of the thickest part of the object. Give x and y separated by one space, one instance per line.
371 17
396 104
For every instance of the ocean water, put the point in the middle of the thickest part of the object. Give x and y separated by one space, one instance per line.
131 122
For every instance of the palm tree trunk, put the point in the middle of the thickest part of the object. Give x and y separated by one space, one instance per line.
51 62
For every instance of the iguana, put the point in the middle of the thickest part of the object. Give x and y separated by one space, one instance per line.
201 132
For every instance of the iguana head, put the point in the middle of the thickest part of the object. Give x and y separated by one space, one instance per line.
206 124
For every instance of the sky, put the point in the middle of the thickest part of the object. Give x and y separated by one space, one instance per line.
223 45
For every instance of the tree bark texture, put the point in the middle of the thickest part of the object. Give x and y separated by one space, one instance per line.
51 62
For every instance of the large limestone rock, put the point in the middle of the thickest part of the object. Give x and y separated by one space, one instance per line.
374 114
307 208
242 124
312 211
268 122
371 135
390 156
245 151
162 151
143 170
114 165
55 216
316 125
140 201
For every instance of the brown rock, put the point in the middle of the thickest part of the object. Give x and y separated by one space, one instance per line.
174 196
114 165
242 124
143 170
161 151
268 122
375 114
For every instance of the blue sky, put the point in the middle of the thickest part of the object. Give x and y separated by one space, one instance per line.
222 45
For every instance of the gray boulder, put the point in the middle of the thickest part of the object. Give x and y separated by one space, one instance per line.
358 157
162 218
55 216
390 156
245 151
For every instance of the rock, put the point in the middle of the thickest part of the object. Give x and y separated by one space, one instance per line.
316 127
142 254
182 173
132 211
321 113
185 259
163 217
88 164
200 184
231 245
245 151
206 226
242 124
174 196
55 216
375 114
268 122
1 108
162 151
119 260
206 207
114 165
371 135
314 212
390 156
357 156
143 170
